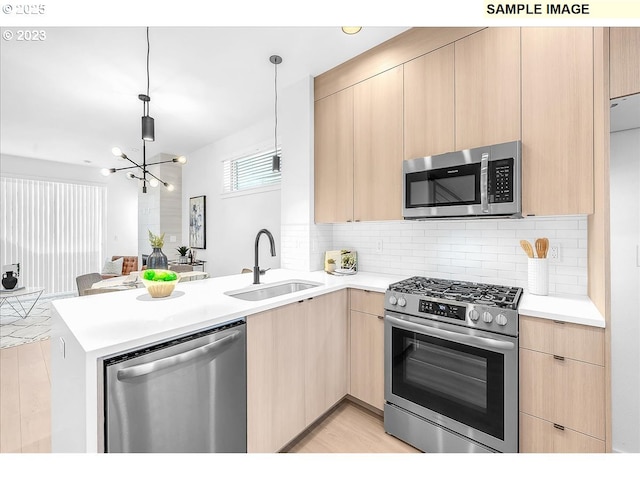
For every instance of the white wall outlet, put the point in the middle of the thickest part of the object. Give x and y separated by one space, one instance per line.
378 246
554 253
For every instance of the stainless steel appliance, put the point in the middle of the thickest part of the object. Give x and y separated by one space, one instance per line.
185 395
451 365
477 182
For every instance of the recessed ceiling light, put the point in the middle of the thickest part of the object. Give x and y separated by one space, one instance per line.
351 30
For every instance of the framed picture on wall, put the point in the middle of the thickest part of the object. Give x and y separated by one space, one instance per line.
197 222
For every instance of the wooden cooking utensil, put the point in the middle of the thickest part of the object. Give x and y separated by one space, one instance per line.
542 246
528 249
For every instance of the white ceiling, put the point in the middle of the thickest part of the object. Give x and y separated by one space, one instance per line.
74 96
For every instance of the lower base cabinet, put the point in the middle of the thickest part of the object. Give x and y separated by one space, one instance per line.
562 387
367 347
296 368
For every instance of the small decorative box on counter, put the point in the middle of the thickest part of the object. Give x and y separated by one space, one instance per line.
341 262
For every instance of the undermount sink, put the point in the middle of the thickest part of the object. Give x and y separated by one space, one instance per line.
270 290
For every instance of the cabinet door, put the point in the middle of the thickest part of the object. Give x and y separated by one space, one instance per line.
378 147
487 88
429 104
325 353
333 158
624 61
557 121
275 377
367 358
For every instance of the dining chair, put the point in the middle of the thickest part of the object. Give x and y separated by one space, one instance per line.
85 282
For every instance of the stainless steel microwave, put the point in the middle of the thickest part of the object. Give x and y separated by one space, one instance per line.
478 182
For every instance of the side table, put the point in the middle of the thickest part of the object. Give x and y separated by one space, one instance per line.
13 299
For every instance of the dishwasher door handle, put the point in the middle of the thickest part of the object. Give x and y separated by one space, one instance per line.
147 368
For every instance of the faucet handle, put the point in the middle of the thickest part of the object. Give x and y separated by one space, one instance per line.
262 272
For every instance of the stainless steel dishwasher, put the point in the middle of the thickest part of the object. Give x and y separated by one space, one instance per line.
184 395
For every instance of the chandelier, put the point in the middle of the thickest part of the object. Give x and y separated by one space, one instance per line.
148 135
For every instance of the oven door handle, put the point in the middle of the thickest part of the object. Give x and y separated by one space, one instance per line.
473 340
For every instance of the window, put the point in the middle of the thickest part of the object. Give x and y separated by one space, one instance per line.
55 230
252 171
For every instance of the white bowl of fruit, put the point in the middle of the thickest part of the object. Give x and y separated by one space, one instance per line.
160 283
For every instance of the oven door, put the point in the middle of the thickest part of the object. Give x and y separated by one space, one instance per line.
456 377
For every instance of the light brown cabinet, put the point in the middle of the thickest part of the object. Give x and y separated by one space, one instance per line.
325 353
296 368
487 88
377 160
333 158
562 386
429 104
275 377
367 347
358 151
624 63
557 121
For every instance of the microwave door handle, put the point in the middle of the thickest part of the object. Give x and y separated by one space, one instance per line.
147 368
484 182
472 340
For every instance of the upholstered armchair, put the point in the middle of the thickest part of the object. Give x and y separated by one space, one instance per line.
129 264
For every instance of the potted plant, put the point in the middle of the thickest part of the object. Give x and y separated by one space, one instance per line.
183 250
331 265
157 259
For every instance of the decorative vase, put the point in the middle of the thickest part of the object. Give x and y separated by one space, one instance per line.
157 259
9 281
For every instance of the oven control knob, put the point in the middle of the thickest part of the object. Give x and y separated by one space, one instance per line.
474 315
501 319
487 317
393 300
402 302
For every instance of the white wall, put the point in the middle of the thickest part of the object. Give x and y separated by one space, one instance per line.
122 196
232 222
625 289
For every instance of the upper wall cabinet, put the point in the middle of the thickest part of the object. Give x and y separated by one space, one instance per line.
557 121
333 158
377 171
429 104
487 88
624 69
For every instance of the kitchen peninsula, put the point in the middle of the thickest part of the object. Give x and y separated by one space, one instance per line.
86 329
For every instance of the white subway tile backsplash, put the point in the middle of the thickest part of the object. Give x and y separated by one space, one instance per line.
477 250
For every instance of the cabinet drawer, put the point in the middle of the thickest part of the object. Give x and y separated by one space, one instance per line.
565 392
569 340
367 302
539 436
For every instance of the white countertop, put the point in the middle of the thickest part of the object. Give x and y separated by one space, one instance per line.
565 308
117 321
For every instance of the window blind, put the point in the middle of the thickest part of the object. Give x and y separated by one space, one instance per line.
55 230
250 172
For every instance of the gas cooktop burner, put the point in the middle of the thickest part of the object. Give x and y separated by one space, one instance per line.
468 292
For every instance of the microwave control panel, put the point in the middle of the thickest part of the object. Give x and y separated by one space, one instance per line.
500 188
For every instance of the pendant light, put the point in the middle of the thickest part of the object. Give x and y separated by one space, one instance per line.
148 135
275 162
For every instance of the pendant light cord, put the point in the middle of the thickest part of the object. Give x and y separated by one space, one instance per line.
275 134
148 51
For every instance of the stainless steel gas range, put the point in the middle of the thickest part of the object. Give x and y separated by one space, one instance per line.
451 365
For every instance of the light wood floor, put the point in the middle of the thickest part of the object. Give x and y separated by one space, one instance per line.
350 428
25 398
25 413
